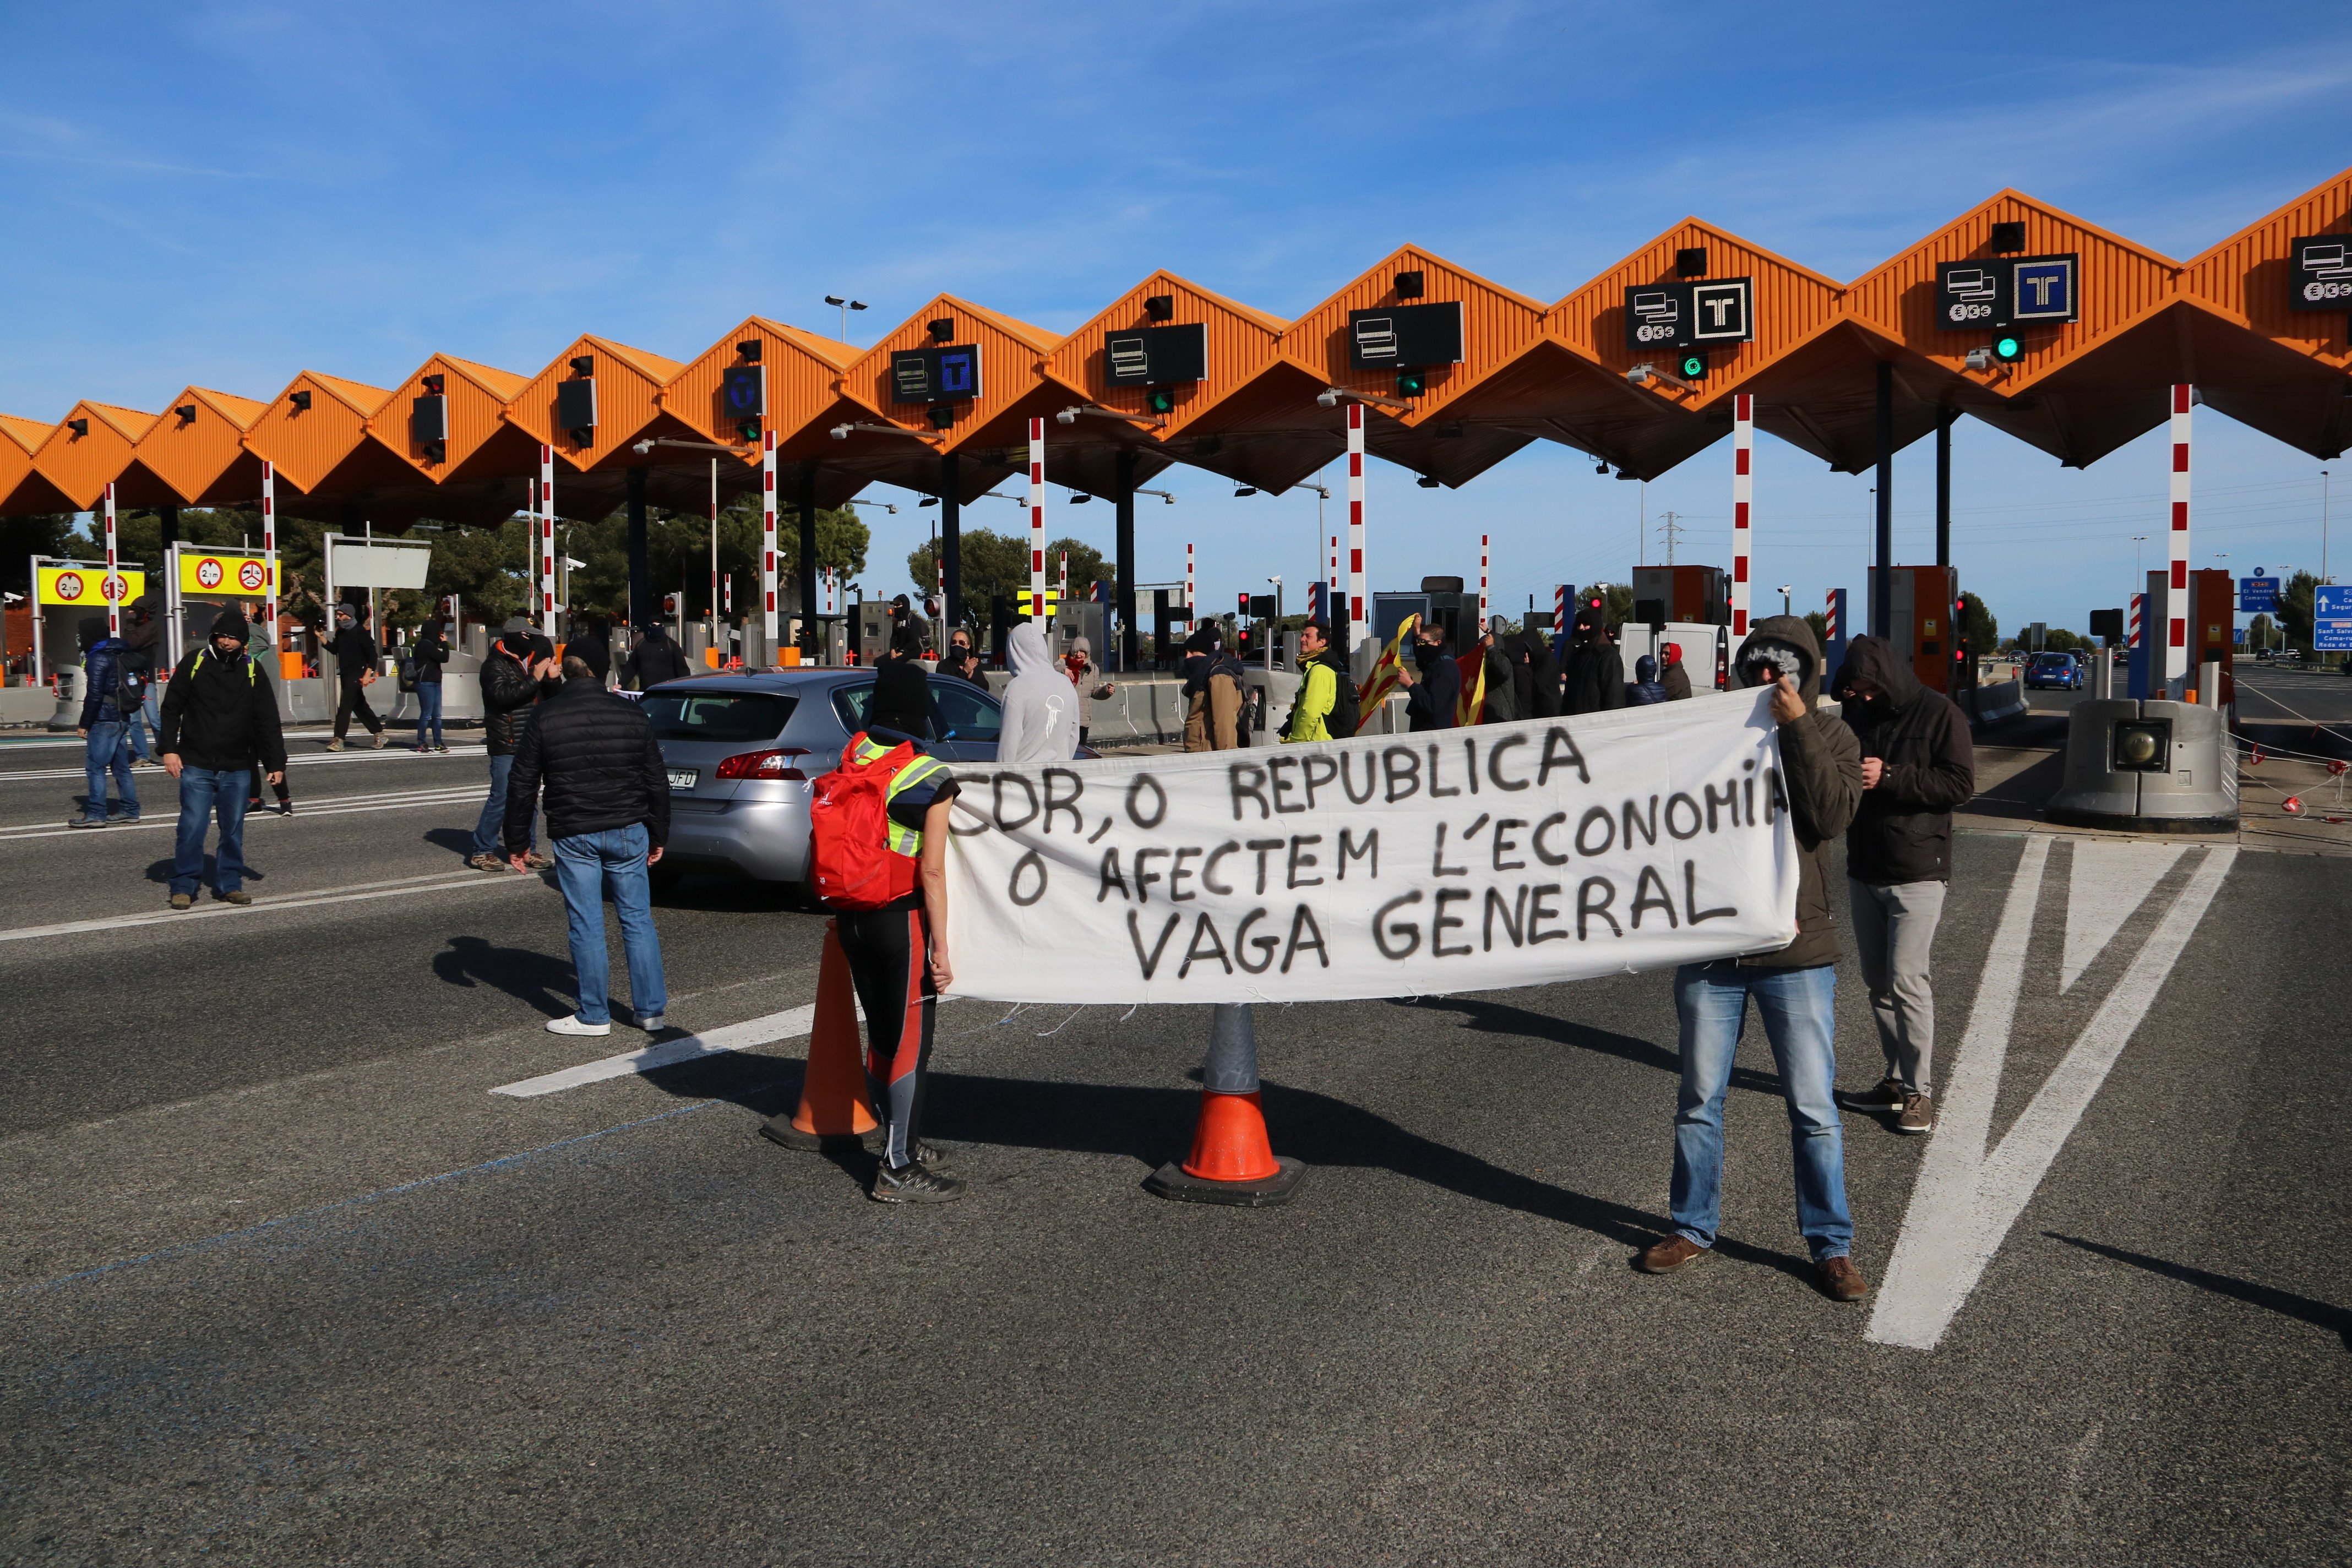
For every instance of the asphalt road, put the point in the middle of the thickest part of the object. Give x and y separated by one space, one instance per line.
286 1282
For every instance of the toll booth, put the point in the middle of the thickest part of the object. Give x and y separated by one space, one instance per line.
1169 611
1923 624
870 625
2212 629
199 581
64 592
1691 595
1440 599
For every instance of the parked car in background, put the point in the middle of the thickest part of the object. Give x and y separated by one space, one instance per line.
2059 669
742 750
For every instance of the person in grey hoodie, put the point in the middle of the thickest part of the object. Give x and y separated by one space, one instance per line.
1041 706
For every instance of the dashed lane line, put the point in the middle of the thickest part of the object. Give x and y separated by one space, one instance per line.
437 883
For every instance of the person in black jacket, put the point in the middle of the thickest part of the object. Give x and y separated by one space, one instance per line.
1432 700
1501 701
608 817
1917 764
1534 674
1596 674
220 715
656 659
518 671
431 652
355 655
105 726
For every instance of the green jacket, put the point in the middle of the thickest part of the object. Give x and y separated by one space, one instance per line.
1318 693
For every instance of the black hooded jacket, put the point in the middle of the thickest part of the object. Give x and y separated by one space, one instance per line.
595 753
1821 771
657 659
1535 675
1903 832
221 712
508 691
1596 674
1436 690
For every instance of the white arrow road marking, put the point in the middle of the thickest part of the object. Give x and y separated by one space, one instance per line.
2110 879
1966 1198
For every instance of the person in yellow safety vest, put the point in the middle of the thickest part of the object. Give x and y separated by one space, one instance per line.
1319 675
898 953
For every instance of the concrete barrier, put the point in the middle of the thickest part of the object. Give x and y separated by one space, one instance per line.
1995 703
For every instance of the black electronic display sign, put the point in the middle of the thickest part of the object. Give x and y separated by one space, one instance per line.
743 390
1156 356
2320 278
2007 291
1685 314
1398 337
947 374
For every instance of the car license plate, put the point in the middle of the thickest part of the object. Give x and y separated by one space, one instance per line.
683 778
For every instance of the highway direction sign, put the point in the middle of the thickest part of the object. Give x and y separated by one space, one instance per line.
2258 595
2331 620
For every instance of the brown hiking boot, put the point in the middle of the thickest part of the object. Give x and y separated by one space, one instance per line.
1887 1094
537 861
1670 1255
488 863
1919 1114
1839 1280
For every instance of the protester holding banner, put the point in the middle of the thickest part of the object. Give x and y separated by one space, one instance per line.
1040 708
1917 764
1534 674
895 938
1794 989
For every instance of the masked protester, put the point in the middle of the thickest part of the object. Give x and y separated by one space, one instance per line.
1501 704
1433 694
1646 686
141 639
1041 712
262 651
1085 675
108 712
432 652
1794 989
1917 764
1535 675
517 672
355 655
1596 674
220 717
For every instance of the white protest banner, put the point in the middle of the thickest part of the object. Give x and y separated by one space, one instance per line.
1385 866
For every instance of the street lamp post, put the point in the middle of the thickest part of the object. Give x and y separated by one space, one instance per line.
844 304
2323 528
2139 581
1784 598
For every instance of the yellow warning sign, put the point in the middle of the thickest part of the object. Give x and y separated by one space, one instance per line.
90 587
225 571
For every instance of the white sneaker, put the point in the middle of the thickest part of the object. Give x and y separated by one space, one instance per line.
574 1024
655 1025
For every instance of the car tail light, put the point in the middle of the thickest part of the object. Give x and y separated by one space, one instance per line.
780 764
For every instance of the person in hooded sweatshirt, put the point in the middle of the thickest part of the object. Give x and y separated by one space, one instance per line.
1041 706
1534 674
1433 696
105 727
1596 674
1085 679
355 655
1198 653
1917 764
219 716
1647 688
1794 989
1675 677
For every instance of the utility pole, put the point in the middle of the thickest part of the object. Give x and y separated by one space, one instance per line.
1669 526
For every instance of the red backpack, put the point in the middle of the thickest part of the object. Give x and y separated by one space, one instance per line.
851 863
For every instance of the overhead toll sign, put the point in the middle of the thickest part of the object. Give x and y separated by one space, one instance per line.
743 390
947 373
90 587
1156 356
1693 314
2007 291
223 571
1400 337
2320 278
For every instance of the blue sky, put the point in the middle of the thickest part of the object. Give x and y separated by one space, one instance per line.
228 193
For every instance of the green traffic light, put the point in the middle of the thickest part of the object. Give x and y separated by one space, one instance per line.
1694 366
1411 383
2008 350
1161 400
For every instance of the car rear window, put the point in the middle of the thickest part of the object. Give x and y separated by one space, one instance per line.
2054 661
718 716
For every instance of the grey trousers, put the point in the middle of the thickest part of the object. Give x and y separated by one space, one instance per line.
1896 928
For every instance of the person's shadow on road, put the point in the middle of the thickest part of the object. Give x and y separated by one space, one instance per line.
161 871
535 978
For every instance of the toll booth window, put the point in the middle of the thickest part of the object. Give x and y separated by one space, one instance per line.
719 716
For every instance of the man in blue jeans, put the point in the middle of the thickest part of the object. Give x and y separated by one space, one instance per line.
219 717
518 671
608 817
105 727
1794 990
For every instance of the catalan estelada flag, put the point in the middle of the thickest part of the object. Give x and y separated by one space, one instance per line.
1376 686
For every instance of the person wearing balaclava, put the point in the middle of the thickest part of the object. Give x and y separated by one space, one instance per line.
1040 706
1596 674
1534 674
219 717
105 728
355 655
1917 765
1433 696
1501 701
607 820
1794 989
897 952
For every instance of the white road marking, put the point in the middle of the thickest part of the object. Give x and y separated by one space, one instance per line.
2109 881
1967 1197
437 883
787 1025
341 806
389 754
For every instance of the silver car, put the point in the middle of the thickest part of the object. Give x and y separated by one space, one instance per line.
742 749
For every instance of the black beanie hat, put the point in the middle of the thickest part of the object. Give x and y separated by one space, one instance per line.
229 623
93 630
901 697
593 651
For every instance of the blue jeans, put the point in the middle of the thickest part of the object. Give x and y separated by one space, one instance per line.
1798 1007
428 712
491 825
135 728
588 866
109 752
203 791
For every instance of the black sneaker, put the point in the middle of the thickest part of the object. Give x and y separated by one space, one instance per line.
914 1184
1887 1094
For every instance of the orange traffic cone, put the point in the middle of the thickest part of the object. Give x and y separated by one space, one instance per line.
1231 1163
834 1112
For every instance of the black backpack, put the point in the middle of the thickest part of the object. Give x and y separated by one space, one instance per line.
131 676
1344 719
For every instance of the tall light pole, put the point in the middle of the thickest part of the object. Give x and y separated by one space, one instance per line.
1784 598
844 304
2323 528
2139 580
